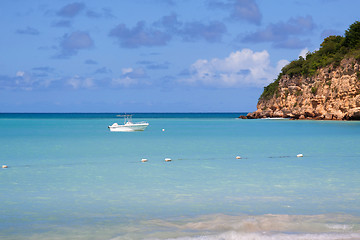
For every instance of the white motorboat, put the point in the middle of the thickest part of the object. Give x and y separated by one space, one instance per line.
128 125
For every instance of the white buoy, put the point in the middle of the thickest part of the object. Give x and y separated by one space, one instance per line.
167 159
300 155
144 160
4 166
238 157
163 129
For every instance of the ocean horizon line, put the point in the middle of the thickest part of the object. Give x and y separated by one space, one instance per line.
121 112
34 115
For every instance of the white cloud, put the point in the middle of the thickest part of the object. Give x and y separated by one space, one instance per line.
303 52
77 82
130 77
125 82
126 70
281 64
243 68
40 79
20 74
88 83
25 81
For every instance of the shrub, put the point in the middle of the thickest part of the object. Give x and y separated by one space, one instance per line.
314 90
270 90
330 52
357 55
352 36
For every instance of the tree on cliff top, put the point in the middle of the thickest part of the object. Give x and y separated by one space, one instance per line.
352 36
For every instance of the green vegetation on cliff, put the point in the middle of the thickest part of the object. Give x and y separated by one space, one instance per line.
271 89
332 50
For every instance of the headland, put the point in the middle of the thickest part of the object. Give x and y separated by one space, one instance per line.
325 85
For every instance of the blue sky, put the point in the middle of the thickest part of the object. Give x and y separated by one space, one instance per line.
155 55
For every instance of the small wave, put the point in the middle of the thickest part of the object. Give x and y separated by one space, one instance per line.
275 118
260 227
273 236
343 227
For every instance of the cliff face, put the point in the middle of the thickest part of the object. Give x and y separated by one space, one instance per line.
331 94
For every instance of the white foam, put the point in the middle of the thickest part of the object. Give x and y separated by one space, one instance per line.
343 227
275 118
273 236
261 227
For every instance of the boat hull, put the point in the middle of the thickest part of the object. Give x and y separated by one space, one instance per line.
129 127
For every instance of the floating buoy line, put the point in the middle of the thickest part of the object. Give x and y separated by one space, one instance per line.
237 157
167 159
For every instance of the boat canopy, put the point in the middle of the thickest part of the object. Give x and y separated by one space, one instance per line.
127 117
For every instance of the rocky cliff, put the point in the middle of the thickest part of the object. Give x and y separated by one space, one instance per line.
333 93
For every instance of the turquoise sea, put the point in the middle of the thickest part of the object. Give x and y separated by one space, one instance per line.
68 177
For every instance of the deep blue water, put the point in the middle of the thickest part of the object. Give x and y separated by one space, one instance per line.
114 115
69 177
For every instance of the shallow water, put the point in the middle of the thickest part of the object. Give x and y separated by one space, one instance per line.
69 177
